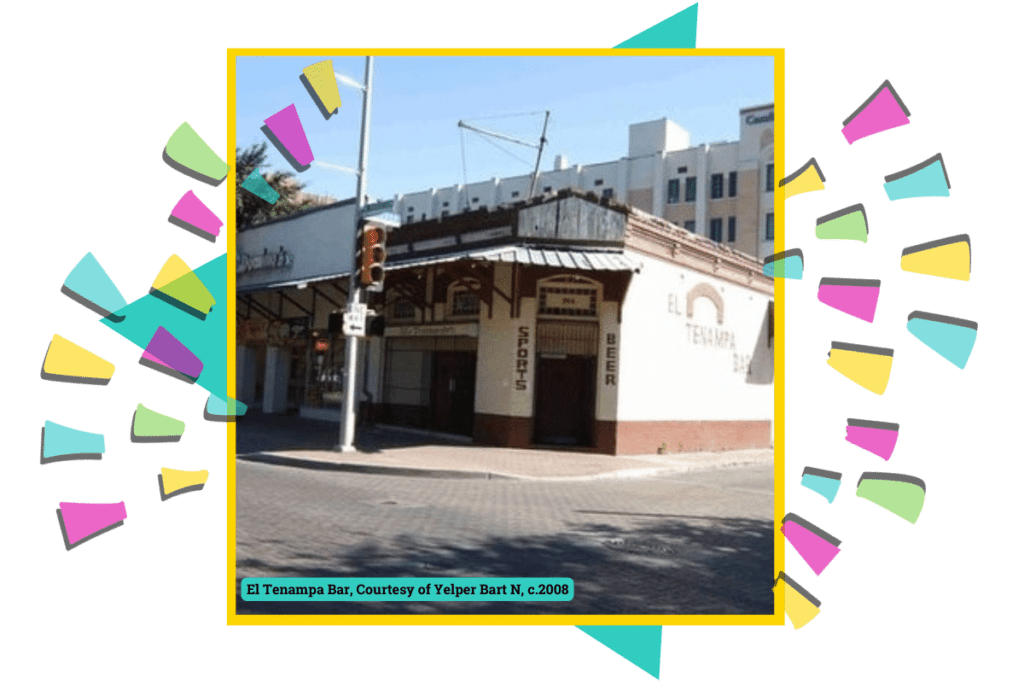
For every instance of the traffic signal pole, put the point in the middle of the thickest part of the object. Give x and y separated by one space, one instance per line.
348 407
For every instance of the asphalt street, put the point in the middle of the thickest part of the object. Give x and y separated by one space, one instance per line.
682 543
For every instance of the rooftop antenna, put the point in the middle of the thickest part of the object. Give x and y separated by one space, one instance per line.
502 136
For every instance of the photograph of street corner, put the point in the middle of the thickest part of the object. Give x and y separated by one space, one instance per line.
498 363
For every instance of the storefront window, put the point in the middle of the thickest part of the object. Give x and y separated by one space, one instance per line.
404 310
465 303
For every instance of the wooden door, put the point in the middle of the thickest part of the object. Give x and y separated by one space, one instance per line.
453 392
564 401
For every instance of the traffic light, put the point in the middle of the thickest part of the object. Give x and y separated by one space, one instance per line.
371 256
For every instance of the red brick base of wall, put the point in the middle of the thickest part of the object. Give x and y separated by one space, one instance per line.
633 438
639 438
503 430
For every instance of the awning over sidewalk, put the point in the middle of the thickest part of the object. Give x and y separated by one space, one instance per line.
578 258
575 259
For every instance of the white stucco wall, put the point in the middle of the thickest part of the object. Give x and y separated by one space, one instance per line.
671 368
500 388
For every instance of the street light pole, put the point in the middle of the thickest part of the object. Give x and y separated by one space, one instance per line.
348 409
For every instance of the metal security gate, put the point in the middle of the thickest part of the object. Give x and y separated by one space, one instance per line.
564 400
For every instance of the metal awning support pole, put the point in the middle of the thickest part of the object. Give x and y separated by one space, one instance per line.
348 407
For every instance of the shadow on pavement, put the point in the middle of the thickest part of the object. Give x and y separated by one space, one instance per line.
258 432
669 565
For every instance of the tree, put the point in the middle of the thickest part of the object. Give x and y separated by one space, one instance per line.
250 210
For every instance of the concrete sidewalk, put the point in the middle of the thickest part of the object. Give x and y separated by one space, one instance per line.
479 462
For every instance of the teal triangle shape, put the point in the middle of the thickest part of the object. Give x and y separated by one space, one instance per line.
207 338
641 645
678 31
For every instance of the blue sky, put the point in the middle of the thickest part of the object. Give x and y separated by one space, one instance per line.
417 101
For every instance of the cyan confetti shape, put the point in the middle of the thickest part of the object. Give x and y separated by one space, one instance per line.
218 409
926 179
88 284
788 264
60 441
951 338
823 482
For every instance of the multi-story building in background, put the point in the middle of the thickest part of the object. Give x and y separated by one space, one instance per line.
722 190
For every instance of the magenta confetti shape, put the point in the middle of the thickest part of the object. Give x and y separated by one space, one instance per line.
191 210
882 111
286 126
814 545
877 437
166 350
85 519
858 298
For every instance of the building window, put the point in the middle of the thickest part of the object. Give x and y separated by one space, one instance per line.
515 194
769 227
716 229
476 199
690 225
716 186
599 182
404 310
691 189
424 217
673 191
607 193
575 301
732 228
444 204
769 174
444 213
410 219
732 183
681 169
411 209
547 188
465 303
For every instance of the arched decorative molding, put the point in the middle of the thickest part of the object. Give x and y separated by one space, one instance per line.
708 292
567 280
767 138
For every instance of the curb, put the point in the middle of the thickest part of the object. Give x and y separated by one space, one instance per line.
269 459
430 473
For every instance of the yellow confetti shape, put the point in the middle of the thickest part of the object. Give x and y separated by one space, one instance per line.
177 281
807 179
68 359
176 480
173 268
870 371
799 608
951 260
325 85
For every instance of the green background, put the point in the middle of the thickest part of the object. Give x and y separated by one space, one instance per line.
93 92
